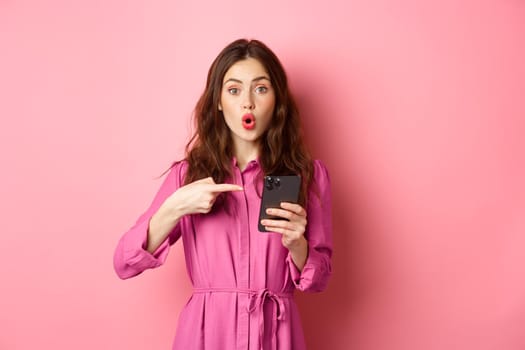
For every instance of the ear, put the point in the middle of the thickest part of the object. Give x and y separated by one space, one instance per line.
220 107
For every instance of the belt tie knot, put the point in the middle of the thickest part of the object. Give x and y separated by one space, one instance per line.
256 303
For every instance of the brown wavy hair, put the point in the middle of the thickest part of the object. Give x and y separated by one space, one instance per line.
283 151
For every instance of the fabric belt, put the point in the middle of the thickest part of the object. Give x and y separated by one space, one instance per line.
257 298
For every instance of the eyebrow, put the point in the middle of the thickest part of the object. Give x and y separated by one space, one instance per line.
262 77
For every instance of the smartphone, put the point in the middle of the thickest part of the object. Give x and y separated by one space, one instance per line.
278 189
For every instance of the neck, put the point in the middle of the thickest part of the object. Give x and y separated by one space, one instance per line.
245 153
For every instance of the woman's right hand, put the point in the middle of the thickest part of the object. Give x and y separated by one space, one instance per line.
197 197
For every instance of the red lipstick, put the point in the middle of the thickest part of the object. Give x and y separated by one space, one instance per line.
248 121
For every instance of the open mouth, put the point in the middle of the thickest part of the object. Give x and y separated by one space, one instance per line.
248 121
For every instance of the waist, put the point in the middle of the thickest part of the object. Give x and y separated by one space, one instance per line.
249 292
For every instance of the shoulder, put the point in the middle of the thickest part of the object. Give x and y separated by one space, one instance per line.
179 165
177 172
320 182
319 191
321 175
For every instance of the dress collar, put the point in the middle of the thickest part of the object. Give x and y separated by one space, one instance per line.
252 163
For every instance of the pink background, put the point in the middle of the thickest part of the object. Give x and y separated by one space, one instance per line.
417 108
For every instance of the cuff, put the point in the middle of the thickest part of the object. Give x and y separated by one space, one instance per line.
137 256
315 274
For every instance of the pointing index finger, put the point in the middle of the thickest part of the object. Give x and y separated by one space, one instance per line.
225 188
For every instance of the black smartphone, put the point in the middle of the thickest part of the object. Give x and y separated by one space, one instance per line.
278 189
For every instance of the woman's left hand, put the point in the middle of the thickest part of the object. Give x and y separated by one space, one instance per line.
293 228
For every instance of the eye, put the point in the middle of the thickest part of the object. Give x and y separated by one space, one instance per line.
261 89
233 91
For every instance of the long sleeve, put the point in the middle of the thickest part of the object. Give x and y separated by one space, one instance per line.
317 270
131 257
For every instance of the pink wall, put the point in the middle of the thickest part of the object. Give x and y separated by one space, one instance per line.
416 107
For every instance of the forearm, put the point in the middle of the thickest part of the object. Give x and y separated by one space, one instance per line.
299 253
160 226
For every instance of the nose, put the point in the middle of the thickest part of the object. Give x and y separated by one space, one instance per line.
247 102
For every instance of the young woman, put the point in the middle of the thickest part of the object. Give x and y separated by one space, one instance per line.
247 126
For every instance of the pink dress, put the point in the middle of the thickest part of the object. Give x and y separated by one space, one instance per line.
243 279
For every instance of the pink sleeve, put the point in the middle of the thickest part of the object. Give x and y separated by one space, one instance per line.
317 270
131 257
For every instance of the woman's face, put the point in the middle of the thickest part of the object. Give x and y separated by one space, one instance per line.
247 101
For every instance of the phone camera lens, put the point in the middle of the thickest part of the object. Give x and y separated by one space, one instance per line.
269 182
277 182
